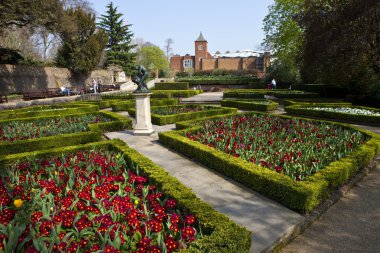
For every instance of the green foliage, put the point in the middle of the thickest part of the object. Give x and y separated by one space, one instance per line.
81 51
220 233
350 28
173 118
47 13
10 56
302 196
125 105
174 93
305 110
94 134
254 105
153 59
119 47
172 86
284 36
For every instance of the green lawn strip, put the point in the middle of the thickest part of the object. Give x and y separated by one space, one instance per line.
301 196
220 233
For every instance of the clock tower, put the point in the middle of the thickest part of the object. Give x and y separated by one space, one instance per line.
200 51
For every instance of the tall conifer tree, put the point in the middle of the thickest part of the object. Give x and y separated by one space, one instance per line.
119 47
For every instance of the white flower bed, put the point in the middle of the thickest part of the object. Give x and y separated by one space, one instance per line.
349 110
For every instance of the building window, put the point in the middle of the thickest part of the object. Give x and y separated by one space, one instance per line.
188 63
200 47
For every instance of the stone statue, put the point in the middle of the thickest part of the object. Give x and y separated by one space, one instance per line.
139 78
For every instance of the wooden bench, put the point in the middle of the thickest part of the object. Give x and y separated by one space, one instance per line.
35 94
109 87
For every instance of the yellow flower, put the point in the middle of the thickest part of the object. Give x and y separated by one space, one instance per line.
32 190
118 155
55 172
18 203
136 202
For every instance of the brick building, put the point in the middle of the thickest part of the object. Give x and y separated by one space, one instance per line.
202 60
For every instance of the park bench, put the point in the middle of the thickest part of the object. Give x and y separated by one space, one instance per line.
109 87
35 94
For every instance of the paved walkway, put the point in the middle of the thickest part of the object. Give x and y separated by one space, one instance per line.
269 221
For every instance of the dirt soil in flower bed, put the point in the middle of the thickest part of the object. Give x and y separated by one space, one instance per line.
87 201
294 147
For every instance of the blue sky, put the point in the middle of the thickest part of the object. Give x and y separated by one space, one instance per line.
226 25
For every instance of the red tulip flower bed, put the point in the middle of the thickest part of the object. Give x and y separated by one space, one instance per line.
87 202
294 147
23 130
170 110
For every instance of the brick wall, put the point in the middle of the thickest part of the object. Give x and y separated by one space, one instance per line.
209 64
230 63
200 54
249 63
176 64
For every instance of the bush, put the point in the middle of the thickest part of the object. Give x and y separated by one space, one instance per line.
174 93
302 196
172 86
220 233
125 105
254 105
45 143
49 110
316 101
306 111
170 119
325 90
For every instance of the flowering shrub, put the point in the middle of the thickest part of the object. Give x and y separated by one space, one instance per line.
22 130
294 147
87 201
349 110
170 110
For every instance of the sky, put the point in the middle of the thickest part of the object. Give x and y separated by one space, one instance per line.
226 25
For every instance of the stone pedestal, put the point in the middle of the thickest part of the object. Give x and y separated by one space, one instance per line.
143 118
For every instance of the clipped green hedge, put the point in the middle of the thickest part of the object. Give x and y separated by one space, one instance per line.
45 143
117 95
315 101
174 93
245 93
48 110
253 105
196 122
219 81
220 233
172 86
292 94
306 111
101 103
170 119
302 196
125 105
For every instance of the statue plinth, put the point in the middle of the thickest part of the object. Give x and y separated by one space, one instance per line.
143 117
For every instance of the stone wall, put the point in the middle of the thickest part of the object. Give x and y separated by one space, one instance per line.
17 78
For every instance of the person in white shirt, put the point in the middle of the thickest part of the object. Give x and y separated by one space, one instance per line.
274 84
95 86
65 90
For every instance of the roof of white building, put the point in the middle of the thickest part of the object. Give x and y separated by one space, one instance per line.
245 53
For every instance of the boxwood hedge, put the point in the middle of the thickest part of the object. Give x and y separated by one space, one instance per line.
301 196
125 105
306 110
220 233
172 86
170 119
45 143
254 105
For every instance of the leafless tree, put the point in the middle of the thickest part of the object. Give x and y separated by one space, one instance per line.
168 48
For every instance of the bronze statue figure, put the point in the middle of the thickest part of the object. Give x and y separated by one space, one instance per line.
139 78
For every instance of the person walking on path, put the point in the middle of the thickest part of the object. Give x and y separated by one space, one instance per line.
99 85
95 86
273 84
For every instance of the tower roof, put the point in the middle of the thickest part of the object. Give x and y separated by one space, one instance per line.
200 38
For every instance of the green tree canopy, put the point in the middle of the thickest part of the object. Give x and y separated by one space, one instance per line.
153 59
81 51
47 13
119 46
284 37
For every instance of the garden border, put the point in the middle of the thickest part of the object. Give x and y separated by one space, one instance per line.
220 233
250 104
170 119
94 133
302 196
